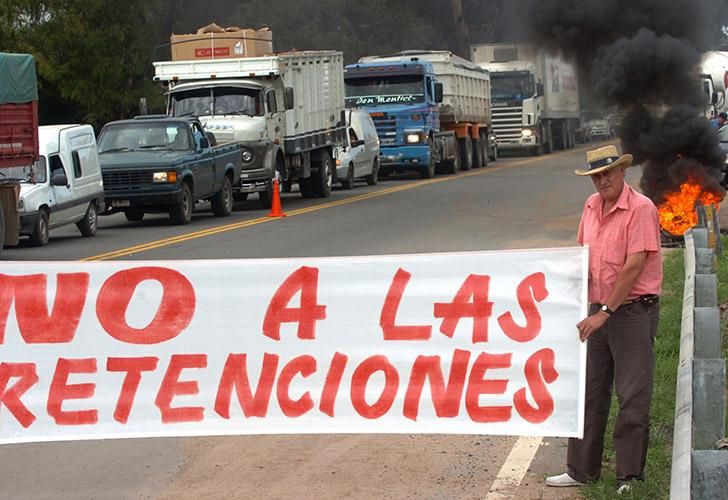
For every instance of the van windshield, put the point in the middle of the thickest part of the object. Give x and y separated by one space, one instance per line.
33 174
217 101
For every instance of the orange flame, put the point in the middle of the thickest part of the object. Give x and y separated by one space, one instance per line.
677 213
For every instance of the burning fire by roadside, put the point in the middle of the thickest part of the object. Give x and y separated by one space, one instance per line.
677 213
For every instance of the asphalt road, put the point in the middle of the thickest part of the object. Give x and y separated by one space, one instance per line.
515 203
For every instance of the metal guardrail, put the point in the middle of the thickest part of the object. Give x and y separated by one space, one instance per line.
699 470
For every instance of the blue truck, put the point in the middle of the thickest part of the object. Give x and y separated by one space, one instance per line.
431 109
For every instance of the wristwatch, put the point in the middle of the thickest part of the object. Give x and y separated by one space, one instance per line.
605 308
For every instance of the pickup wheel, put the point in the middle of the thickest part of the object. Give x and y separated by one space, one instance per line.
323 177
39 236
89 223
348 183
222 202
373 178
134 215
181 213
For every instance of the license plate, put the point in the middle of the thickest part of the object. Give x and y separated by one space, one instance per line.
120 203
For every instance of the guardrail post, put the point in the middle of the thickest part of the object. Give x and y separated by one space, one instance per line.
708 403
710 475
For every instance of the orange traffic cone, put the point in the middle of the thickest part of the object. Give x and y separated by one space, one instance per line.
275 209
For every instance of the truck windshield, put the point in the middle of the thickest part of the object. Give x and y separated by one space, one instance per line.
145 135
511 86
401 89
34 174
217 101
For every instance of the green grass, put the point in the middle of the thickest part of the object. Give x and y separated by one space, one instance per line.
667 350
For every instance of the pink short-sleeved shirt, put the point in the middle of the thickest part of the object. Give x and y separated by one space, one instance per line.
631 226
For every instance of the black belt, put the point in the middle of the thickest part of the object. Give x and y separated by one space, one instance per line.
646 300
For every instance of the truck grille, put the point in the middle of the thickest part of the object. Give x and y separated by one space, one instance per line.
508 122
117 181
386 129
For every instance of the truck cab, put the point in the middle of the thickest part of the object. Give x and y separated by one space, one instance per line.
403 100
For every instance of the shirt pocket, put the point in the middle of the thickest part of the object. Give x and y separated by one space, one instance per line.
614 252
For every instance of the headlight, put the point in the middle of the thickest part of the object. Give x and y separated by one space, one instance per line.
21 204
526 132
164 177
414 138
247 155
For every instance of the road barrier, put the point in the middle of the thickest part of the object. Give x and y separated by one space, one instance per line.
699 469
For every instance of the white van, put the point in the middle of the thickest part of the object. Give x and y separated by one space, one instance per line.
64 186
360 156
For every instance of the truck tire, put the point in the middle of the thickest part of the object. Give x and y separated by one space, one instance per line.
2 229
373 178
428 172
134 215
181 213
306 187
483 149
222 202
323 176
39 236
465 145
240 196
89 223
453 166
348 183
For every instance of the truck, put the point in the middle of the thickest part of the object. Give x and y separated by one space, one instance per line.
535 97
713 74
251 101
18 136
431 109
157 163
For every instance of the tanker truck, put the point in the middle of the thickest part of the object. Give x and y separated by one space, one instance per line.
535 97
431 109
18 136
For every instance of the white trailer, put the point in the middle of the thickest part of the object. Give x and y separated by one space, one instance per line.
286 110
535 96
713 72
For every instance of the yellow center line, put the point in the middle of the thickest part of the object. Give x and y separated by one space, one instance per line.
152 245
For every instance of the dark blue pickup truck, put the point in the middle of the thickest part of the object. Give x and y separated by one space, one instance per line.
161 164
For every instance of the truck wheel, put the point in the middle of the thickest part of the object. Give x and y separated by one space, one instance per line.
484 150
466 153
323 177
429 171
306 187
287 186
348 183
39 236
493 153
2 230
134 215
181 213
222 202
240 196
373 178
88 224
453 166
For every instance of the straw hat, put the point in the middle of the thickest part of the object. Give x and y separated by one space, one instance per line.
603 159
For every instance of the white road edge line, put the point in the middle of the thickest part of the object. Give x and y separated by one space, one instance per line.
514 468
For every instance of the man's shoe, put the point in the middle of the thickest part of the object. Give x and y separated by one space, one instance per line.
562 480
624 488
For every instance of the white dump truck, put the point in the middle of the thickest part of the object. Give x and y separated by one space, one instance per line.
430 108
535 96
713 72
286 110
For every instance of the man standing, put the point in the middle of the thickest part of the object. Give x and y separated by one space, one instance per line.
622 230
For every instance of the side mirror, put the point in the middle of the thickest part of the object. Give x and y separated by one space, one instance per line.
204 143
714 98
539 90
288 98
357 143
59 179
439 92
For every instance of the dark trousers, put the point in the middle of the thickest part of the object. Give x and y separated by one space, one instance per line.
620 352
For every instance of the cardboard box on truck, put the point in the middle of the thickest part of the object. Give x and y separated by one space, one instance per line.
214 42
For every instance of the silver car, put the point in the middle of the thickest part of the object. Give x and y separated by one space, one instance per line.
360 156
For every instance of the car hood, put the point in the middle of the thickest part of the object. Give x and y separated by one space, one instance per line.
27 188
130 159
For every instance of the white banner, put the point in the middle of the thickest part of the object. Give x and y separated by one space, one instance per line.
466 343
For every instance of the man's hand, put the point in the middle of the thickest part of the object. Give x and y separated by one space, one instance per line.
591 324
